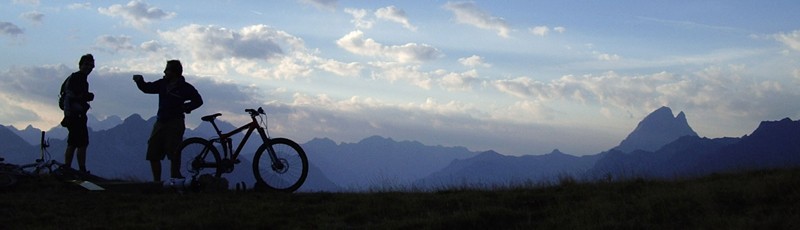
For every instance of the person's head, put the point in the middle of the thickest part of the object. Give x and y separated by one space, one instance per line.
173 69
86 64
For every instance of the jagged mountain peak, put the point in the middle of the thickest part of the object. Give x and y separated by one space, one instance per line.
657 129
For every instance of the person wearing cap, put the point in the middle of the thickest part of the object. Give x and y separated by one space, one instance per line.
176 97
76 96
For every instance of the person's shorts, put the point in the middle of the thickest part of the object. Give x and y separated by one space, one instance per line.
165 139
78 132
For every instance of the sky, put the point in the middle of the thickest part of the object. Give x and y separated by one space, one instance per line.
518 77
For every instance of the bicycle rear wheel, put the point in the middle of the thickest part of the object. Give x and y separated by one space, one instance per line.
290 170
199 156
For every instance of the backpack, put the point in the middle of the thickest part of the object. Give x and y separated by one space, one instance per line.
61 95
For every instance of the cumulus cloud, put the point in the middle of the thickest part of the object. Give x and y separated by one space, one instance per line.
34 16
356 43
394 14
7 28
216 43
321 4
137 13
469 13
473 61
792 40
257 51
459 81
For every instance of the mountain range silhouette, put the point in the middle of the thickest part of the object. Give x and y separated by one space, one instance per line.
661 146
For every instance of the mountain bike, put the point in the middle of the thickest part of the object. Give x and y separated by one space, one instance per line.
10 174
279 164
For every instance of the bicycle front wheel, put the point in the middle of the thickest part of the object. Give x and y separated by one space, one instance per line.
199 156
280 165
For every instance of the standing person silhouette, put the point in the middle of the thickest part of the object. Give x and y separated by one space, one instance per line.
176 97
76 96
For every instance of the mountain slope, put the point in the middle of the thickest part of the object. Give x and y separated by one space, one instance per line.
655 130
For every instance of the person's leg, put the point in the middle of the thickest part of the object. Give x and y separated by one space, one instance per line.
155 167
82 159
175 168
68 155
176 129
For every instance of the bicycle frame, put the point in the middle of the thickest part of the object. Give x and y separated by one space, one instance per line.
225 138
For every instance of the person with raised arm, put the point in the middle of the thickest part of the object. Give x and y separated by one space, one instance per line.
176 97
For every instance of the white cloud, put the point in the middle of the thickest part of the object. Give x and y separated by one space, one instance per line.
216 43
355 42
76 6
792 40
358 18
394 14
608 57
468 13
545 30
34 16
7 28
137 13
459 81
715 90
473 61
540 30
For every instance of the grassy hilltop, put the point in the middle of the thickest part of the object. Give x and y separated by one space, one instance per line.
767 199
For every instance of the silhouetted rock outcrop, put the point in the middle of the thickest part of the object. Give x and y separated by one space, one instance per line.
655 130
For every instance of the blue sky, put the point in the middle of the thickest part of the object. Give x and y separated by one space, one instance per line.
518 77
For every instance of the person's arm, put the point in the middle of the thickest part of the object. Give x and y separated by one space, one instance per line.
194 101
145 87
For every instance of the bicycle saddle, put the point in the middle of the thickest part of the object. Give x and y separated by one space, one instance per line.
210 117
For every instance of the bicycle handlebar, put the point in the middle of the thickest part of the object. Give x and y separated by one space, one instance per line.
254 112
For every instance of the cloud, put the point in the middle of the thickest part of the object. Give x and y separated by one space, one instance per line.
321 4
257 51
113 44
459 81
792 40
544 30
473 61
394 14
468 13
34 16
77 6
7 28
608 57
137 13
216 43
151 46
358 18
355 42
714 90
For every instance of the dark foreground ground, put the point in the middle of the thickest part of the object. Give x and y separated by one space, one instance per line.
750 200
